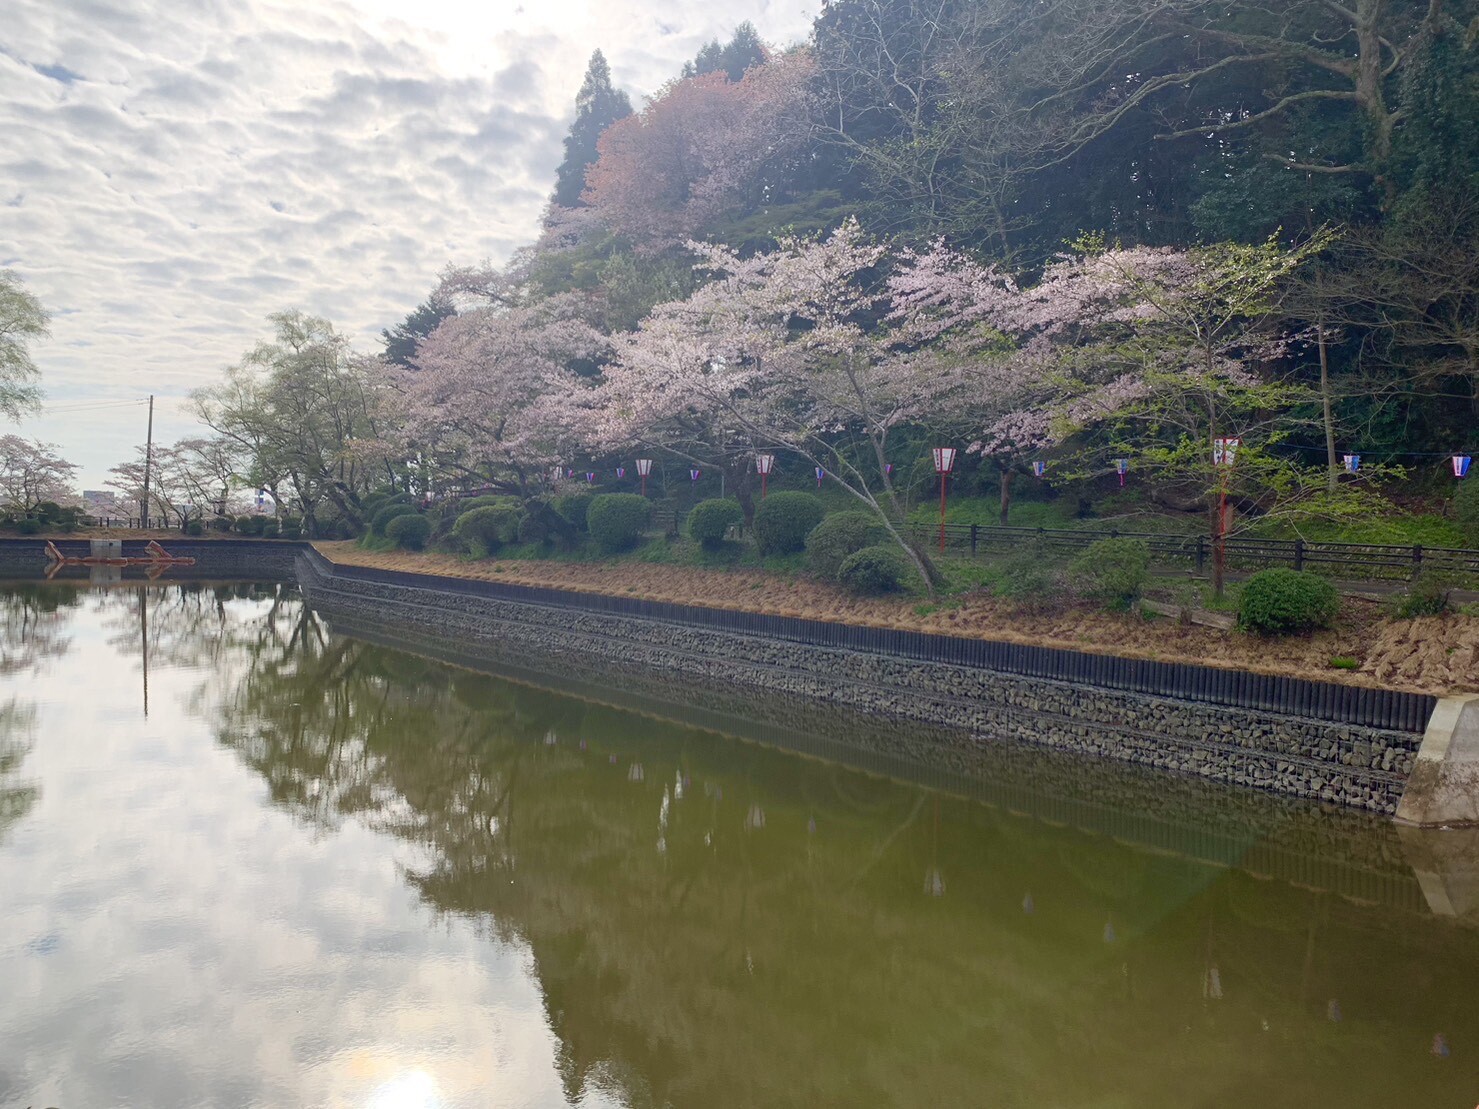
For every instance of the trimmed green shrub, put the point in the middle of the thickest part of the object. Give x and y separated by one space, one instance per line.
292 531
220 523
616 520
874 570
533 528
409 532
1428 594
371 503
840 535
709 521
488 500
250 525
574 507
28 525
270 529
1112 571
481 531
1466 508
784 520
1284 602
195 527
48 512
382 518
1030 580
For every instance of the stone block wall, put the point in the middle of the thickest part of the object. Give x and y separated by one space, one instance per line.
1344 764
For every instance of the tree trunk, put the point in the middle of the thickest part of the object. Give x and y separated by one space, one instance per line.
1006 493
1334 470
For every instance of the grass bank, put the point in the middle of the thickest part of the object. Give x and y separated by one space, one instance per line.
1436 654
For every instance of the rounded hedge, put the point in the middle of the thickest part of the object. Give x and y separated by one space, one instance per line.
488 500
709 521
409 532
195 527
616 520
533 528
483 530
840 535
575 509
28 525
269 530
383 516
874 570
1285 602
292 530
1112 571
250 525
784 520
221 523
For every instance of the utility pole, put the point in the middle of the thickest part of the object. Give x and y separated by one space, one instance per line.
148 465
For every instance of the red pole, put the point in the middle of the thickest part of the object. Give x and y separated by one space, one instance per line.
644 485
763 478
943 478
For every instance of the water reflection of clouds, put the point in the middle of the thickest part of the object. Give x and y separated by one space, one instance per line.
171 940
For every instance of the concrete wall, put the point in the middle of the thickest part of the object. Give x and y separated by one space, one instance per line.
1345 764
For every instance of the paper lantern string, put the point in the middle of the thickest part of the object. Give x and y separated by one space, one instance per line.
821 473
694 475
621 472
1039 468
1352 462
1461 465
590 476
1122 467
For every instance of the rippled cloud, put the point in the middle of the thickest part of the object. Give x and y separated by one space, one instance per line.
173 170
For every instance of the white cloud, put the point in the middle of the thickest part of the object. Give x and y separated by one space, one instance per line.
171 171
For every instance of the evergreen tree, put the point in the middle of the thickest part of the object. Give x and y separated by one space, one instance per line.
597 107
402 340
742 52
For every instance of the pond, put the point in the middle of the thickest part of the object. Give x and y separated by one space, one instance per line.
250 860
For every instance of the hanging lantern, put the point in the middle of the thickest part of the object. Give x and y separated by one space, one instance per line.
1225 451
1461 465
621 472
888 467
694 475
554 475
1122 467
570 474
1352 462
821 473
764 463
644 467
1039 468
944 463
590 477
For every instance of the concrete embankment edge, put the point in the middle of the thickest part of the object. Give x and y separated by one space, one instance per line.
1443 788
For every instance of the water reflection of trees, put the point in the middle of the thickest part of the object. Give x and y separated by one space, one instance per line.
17 734
764 938
33 623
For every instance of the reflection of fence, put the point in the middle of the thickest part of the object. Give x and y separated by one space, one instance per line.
1354 560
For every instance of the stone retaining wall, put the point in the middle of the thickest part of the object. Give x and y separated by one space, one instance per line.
1344 764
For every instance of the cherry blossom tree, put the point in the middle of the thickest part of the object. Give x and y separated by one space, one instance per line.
31 473
496 393
784 348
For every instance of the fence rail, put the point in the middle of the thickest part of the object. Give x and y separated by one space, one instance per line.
1328 701
1376 561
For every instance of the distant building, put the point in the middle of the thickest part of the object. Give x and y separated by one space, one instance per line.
102 502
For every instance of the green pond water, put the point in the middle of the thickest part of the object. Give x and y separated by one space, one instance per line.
247 860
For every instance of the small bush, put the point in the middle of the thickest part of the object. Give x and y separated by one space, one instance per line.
533 528
1285 602
709 521
842 534
292 531
575 508
269 530
874 570
1428 594
409 532
488 500
1112 571
381 520
483 531
28 525
1466 508
221 523
1344 662
195 527
48 512
616 520
250 525
784 520
1030 579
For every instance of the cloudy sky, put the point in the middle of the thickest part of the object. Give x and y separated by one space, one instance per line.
171 171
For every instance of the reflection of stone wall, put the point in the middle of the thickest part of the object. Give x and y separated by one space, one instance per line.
1347 764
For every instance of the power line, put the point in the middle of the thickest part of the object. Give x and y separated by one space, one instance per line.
89 406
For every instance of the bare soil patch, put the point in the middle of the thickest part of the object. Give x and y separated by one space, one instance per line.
1431 655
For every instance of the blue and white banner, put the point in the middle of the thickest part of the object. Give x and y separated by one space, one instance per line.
1352 463
1461 465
